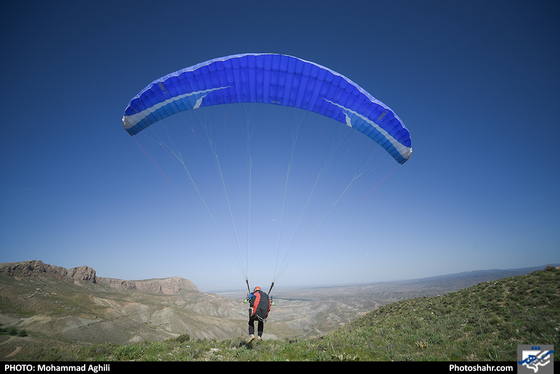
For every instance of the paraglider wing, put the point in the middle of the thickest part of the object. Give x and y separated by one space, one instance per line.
271 79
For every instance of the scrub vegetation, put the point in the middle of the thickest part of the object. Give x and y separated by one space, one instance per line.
485 322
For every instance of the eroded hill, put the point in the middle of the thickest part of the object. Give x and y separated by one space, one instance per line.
75 305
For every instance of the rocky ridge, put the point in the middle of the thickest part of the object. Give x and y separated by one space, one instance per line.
166 286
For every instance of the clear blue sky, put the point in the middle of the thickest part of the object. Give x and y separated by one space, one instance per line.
475 82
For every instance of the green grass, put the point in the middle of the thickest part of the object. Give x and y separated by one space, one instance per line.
480 323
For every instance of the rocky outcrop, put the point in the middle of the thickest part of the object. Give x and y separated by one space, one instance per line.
166 286
36 268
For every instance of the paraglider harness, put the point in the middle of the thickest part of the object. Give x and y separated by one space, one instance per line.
254 309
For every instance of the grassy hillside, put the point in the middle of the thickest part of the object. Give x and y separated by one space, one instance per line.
483 322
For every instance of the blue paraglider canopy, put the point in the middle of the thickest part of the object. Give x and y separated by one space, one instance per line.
270 79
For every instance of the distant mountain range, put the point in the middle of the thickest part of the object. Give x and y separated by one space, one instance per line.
484 275
172 285
465 279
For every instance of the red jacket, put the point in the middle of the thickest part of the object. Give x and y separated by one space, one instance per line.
260 304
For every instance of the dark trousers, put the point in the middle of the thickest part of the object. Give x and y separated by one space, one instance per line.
260 327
